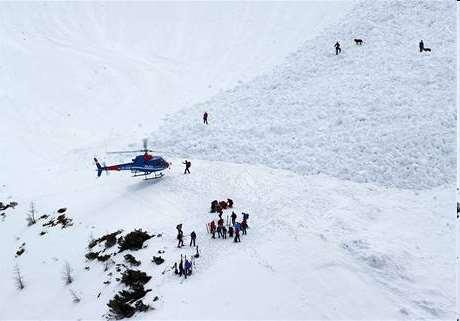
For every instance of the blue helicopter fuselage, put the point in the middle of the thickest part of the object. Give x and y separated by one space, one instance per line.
145 164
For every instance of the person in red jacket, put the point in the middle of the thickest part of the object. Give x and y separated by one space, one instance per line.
213 229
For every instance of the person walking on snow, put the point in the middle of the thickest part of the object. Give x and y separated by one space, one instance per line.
337 48
205 118
187 166
192 238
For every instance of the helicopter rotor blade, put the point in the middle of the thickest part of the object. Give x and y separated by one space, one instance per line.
125 152
144 143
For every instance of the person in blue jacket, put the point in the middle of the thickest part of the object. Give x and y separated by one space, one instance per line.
188 267
237 228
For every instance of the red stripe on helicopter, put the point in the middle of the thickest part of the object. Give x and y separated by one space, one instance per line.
113 168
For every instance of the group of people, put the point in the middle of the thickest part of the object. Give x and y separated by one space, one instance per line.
180 237
338 49
233 230
185 266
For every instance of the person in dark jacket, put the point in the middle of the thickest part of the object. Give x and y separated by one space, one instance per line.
180 239
337 48
244 226
188 268
205 118
230 231
233 216
213 229
237 232
224 232
181 266
192 238
187 166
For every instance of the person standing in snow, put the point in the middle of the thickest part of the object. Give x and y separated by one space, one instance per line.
233 216
181 266
224 232
188 267
244 226
180 239
187 166
192 238
213 229
220 225
205 118
237 232
230 231
337 48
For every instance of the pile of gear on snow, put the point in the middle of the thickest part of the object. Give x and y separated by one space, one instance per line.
223 228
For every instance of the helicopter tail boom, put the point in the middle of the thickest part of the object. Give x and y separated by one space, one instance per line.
99 167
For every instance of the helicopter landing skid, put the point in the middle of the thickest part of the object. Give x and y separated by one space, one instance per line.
156 176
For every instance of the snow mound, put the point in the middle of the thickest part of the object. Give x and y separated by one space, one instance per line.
381 112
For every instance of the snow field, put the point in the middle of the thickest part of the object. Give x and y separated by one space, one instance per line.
381 112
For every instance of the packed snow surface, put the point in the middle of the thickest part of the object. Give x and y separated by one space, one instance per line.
317 247
344 242
381 112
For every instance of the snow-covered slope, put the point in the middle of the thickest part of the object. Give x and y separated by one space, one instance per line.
77 79
381 112
318 247
91 71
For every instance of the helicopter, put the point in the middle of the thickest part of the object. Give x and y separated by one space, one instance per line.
141 165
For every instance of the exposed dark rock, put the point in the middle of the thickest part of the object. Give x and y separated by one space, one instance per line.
109 239
103 258
61 219
132 260
92 255
133 278
134 240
